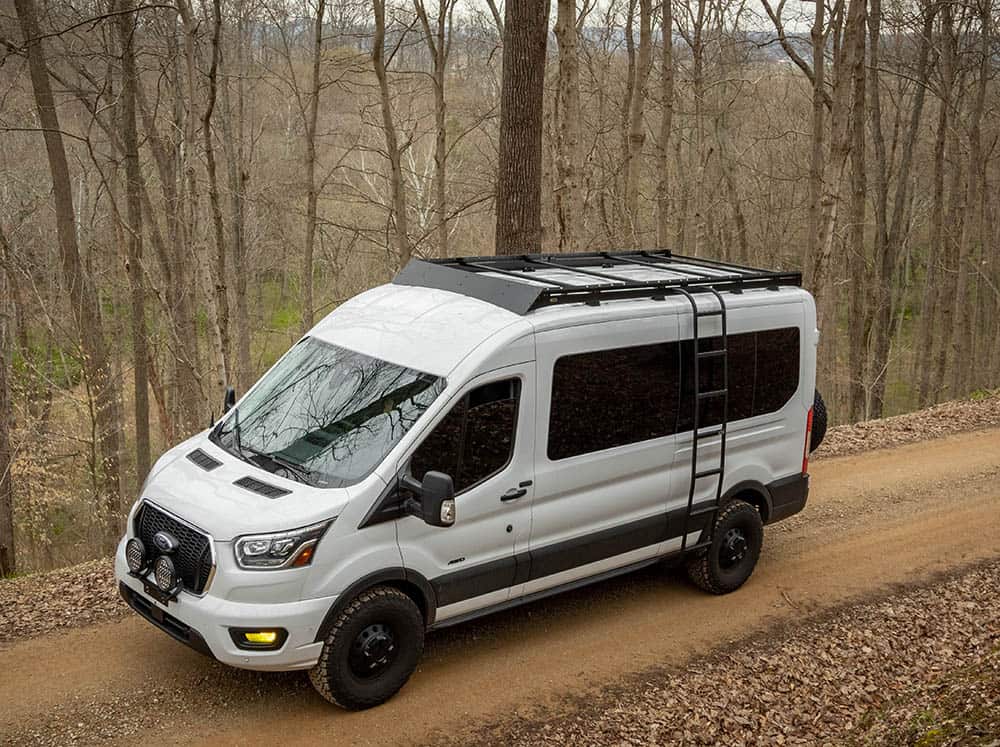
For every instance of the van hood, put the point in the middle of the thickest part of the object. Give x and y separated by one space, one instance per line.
210 500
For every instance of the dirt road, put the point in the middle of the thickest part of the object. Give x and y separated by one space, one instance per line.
874 521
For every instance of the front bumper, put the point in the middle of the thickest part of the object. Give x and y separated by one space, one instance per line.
203 622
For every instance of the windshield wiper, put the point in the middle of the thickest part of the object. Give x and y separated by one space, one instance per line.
299 472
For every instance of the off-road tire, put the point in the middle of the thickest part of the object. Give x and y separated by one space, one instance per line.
705 570
333 677
819 422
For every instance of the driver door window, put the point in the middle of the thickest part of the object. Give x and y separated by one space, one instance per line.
475 440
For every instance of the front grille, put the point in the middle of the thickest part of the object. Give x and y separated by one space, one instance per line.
193 558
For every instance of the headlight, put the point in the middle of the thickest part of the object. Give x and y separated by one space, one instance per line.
292 549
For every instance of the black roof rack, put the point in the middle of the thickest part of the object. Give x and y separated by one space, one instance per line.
512 282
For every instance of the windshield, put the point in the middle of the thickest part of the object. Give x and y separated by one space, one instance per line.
326 415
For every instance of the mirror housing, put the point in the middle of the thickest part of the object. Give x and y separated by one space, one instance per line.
436 496
228 400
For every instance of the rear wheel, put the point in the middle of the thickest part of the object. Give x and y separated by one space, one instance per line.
730 559
371 651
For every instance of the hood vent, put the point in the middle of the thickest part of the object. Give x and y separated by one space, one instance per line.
203 460
263 488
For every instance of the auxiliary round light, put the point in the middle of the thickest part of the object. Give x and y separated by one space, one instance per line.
165 574
135 555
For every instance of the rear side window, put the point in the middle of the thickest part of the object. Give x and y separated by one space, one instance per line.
763 376
777 369
475 440
609 398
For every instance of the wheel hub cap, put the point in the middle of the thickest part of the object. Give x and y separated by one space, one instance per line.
372 651
734 548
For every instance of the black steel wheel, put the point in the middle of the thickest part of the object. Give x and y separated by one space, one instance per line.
736 543
371 651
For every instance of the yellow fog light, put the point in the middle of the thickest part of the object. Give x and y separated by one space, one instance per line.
254 638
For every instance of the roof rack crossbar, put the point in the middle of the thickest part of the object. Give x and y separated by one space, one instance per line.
582 271
666 267
518 275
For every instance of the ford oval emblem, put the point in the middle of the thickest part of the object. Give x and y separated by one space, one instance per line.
165 542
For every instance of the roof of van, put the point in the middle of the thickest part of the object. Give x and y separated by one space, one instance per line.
425 329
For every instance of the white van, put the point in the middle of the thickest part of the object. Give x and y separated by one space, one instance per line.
479 433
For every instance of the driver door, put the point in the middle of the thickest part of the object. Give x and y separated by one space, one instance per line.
485 441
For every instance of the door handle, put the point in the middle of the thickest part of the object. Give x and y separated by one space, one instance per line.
513 494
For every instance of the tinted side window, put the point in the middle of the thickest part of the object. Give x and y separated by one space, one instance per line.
777 369
763 375
609 398
475 439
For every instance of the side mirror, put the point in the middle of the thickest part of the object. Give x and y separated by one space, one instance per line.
436 496
229 400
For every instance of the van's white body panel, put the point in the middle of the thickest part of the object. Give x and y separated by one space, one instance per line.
469 342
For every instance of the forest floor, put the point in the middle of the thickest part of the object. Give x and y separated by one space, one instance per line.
873 617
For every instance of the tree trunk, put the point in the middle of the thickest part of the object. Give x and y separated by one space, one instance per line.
666 123
82 296
961 333
858 312
237 173
569 157
133 188
519 168
438 42
818 35
932 283
220 267
8 555
636 125
312 191
398 216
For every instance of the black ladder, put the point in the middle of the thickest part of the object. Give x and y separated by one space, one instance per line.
699 434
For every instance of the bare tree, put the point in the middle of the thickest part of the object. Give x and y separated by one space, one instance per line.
636 137
519 170
8 556
666 124
312 191
438 40
569 156
125 22
397 188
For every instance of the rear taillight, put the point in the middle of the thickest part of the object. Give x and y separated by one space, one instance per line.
805 449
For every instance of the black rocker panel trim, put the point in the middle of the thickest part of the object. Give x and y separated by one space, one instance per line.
544 593
527 566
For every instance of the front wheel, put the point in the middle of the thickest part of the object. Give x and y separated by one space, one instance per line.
371 651
736 542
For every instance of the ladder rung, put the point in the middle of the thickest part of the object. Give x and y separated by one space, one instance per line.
711 353
711 433
707 473
713 393
704 510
